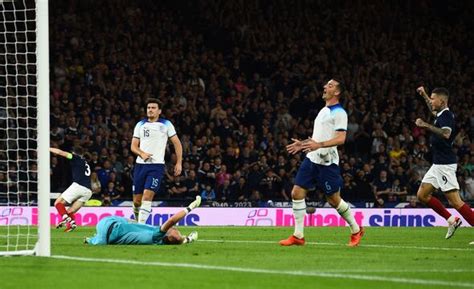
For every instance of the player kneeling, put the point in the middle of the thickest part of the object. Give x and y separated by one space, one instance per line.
115 230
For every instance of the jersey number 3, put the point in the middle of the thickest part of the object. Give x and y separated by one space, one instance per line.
88 170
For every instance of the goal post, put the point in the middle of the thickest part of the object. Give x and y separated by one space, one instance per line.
24 128
43 247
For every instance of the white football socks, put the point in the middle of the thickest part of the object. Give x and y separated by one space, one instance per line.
299 211
145 211
451 220
136 211
345 212
196 203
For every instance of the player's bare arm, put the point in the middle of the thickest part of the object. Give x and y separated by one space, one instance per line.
59 152
312 145
135 147
421 91
178 148
441 132
295 146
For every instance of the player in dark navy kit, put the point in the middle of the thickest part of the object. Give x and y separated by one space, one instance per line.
78 192
442 174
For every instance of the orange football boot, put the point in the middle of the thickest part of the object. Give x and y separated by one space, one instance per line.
292 240
355 238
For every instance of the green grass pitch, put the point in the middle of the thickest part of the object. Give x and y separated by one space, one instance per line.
250 257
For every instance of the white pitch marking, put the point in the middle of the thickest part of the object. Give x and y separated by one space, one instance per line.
276 272
469 249
339 244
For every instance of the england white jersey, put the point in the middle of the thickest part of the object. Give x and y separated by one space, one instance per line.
329 120
153 138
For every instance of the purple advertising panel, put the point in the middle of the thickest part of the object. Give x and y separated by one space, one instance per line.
277 217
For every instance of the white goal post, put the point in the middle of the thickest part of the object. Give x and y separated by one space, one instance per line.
24 128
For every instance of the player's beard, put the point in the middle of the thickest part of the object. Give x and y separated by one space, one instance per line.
152 115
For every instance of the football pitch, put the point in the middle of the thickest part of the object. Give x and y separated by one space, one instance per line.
250 257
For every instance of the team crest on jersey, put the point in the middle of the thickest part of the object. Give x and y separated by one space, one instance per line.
162 129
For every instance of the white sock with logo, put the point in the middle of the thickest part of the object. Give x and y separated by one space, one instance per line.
344 210
145 211
299 211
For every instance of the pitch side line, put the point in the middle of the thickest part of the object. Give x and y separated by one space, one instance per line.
276 272
338 244
317 243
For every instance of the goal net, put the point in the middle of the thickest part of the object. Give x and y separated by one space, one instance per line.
24 128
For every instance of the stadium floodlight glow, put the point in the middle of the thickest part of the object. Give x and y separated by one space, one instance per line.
24 127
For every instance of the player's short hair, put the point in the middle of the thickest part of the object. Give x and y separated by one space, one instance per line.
172 237
78 150
341 86
154 100
441 91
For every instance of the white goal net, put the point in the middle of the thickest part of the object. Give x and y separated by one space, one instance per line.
24 129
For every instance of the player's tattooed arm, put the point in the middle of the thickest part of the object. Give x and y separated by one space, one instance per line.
421 91
441 132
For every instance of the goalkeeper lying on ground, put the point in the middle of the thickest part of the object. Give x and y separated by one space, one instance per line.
115 230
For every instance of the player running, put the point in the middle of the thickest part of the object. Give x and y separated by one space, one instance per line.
115 230
78 192
442 174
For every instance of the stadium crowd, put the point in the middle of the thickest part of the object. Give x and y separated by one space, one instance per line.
239 79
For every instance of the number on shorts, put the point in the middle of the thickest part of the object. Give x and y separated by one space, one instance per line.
445 179
328 187
88 170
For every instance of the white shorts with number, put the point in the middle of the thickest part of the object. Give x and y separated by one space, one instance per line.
442 177
76 192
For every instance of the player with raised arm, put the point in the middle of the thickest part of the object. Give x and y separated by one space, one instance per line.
150 138
321 166
442 174
78 193
120 231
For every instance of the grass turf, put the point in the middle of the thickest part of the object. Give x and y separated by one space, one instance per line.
250 257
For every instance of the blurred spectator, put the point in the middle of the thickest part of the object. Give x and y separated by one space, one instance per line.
177 188
110 197
192 185
208 194
240 190
469 186
96 187
413 203
270 185
382 186
224 192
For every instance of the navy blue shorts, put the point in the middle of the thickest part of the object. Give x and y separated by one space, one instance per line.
326 178
147 176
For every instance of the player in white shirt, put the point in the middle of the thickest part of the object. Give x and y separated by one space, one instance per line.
150 138
320 168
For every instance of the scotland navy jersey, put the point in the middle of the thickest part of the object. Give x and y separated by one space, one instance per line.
81 171
442 148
